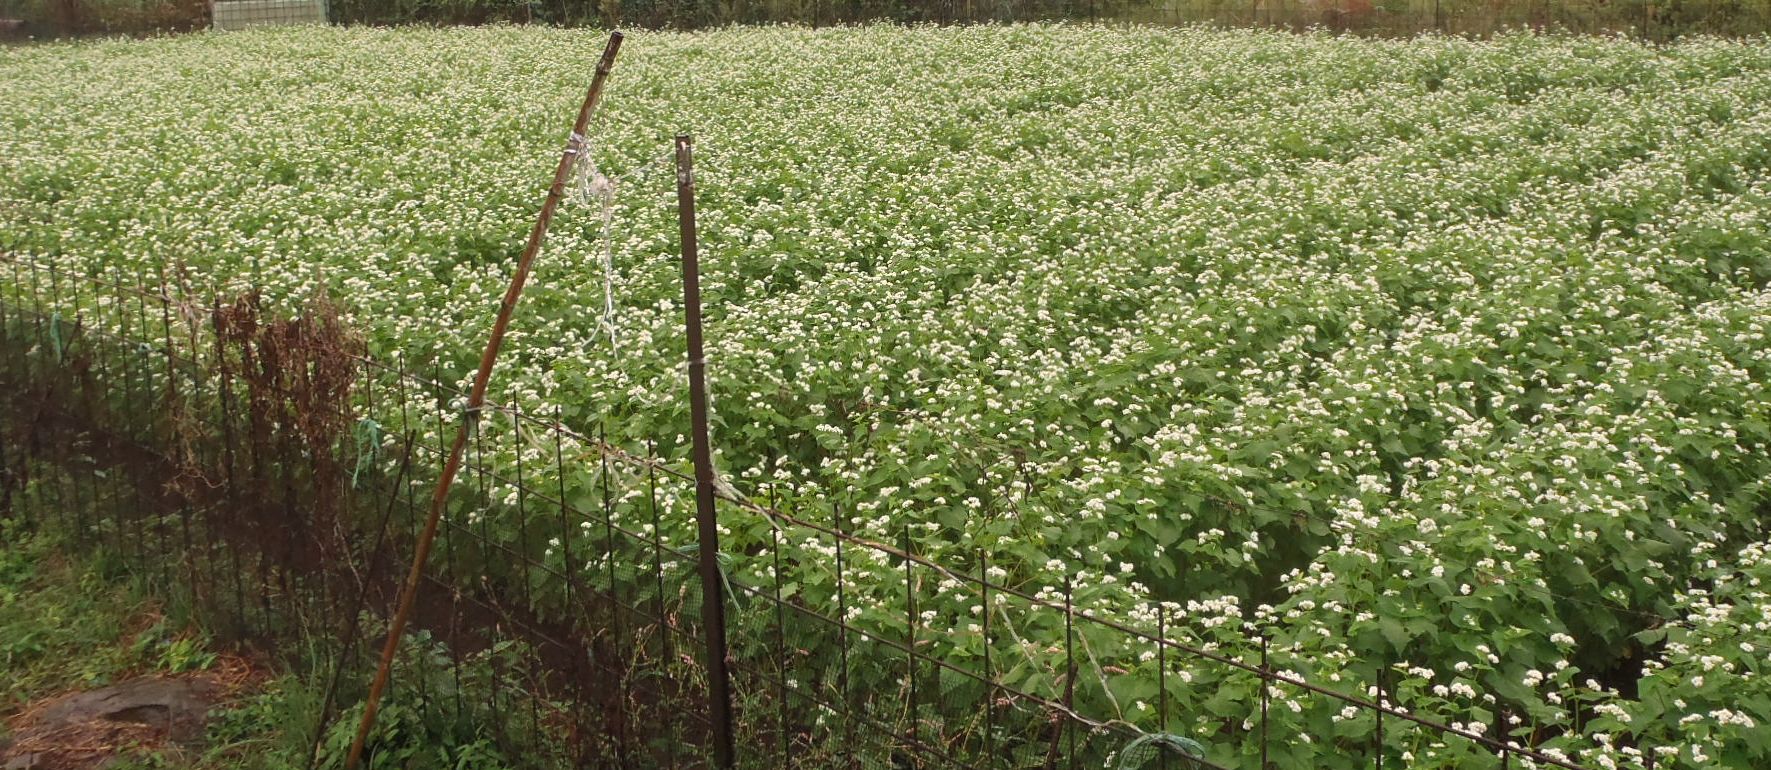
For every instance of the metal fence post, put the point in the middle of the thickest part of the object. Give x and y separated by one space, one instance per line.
1500 722
1378 741
713 606
1266 679
910 635
1162 677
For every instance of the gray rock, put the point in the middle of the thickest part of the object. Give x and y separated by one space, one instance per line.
178 707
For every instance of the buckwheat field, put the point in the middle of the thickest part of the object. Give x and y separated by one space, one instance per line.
1442 358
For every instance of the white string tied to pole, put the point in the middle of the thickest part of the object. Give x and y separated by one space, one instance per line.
593 188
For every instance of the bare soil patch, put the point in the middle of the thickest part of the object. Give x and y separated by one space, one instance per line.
92 729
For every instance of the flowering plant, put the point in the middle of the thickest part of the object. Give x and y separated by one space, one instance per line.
1440 363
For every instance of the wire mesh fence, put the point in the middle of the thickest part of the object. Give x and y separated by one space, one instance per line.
245 14
275 476
1654 20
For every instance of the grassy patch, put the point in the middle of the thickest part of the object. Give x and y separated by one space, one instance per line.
68 626
71 624
63 627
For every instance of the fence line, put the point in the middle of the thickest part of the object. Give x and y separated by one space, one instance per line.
587 579
1655 20
654 466
732 496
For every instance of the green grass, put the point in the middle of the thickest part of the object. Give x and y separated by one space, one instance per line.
68 625
63 627
71 623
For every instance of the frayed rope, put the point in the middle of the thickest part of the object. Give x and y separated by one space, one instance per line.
593 188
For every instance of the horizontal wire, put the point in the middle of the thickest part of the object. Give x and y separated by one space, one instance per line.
745 503
653 464
1374 543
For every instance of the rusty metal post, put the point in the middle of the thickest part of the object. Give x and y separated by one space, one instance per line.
477 397
989 669
1162 676
713 604
910 635
1266 679
1379 740
1069 670
1501 729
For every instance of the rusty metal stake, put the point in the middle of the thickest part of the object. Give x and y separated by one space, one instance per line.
713 603
477 397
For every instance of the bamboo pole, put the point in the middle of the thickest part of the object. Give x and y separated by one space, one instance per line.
477 397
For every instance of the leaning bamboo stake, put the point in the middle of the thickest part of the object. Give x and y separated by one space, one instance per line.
477 397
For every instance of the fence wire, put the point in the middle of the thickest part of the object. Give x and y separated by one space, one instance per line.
275 476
